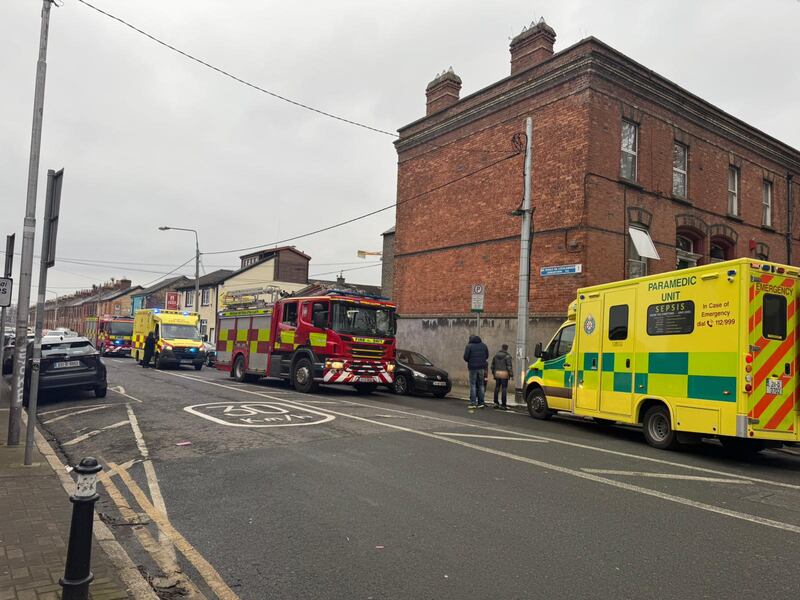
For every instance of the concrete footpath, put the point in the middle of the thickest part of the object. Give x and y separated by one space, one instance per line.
35 514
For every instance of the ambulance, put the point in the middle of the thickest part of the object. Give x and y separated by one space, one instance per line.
704 352
178 340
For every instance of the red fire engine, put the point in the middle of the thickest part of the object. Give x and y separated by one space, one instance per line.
341 337
110 335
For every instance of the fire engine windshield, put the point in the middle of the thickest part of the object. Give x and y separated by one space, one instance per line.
363 320
120 328
180 332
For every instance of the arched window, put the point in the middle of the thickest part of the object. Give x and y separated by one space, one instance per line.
721 249
689 248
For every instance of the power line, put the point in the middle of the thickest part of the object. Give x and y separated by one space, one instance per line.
234 77
147 285
369 214
344 270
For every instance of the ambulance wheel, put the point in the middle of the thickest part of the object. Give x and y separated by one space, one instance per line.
537 404
238 372
198 366
160 364
303 376
658 429
365 388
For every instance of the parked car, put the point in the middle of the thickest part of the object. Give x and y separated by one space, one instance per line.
68 362
415 373
211 353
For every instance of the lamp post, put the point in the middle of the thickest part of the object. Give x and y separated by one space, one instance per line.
196 263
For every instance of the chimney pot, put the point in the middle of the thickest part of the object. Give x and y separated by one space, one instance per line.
443 91
532 46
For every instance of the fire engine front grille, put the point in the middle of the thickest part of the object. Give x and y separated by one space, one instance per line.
368 352
360 368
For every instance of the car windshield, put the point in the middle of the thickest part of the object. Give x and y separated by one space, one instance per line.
417 359
120 328
180 332
357 319
77 348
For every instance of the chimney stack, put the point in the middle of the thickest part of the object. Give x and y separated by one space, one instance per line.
531 47
442 92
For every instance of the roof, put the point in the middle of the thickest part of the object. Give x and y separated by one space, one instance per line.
113 294
274 251
317 287
213 278
389 231
172 282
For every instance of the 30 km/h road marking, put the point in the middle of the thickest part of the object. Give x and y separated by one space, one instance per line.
538 463
257 414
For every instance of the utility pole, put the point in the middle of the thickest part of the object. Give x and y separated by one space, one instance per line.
197 275
28 231
524 270
47 260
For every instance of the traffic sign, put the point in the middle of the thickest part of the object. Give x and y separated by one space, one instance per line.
478 294
6 283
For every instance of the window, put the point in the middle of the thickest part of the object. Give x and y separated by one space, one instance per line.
640 248
290 314
618 322
670 318
188 298
733 190
205 296
773 325
720 250
686 253
562 343
203 326
680 164
766 204
630 148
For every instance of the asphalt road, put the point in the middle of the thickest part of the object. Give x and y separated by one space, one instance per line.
273 494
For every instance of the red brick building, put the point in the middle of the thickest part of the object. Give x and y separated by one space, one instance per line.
615 147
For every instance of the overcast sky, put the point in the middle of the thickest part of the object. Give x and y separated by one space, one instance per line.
148 138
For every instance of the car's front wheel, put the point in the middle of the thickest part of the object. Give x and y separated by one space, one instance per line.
400 385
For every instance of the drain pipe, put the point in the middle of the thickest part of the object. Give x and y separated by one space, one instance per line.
789 201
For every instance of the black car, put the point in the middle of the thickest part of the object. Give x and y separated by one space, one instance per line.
68 363
415 373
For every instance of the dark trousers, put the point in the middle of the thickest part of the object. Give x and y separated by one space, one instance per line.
500 384
148 356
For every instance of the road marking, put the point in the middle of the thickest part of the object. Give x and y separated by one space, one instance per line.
117 388
668 476
121 392
58 410
152 480
257 414
558 468
86 436
203 567
77 412
492 437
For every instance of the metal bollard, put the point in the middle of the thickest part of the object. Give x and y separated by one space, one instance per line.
77 571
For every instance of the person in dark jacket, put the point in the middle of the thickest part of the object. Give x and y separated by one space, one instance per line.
503 372
476 355
149 349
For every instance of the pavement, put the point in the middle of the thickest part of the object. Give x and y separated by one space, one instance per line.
246 491
34 528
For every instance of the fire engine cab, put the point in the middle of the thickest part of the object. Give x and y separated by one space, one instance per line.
340 337
110 335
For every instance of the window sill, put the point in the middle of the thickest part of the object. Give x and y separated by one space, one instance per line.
736 218
630 183
768 228
682 200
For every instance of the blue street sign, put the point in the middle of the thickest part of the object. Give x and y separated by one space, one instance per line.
561 270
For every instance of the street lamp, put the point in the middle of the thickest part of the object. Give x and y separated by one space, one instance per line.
196 263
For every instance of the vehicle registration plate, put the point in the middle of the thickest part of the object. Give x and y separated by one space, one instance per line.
774 386
439 383
67 364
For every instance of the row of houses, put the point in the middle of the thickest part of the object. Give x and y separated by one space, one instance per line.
279 271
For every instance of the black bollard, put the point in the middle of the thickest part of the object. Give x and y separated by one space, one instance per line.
77 572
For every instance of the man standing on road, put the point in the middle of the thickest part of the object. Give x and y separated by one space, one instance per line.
149 349
502 371
476 355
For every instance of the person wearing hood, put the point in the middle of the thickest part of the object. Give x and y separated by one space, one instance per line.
149 349
476 355
502 371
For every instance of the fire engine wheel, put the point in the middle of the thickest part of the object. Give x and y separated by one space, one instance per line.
658 429
400 385
238 372
537 404
303 376
365 388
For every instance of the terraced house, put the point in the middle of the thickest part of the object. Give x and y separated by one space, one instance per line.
632 174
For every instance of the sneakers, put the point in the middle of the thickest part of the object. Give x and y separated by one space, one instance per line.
481 406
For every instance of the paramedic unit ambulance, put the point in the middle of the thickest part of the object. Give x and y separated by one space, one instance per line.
178 340
709 351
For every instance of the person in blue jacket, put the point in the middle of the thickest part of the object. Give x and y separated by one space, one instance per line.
476 355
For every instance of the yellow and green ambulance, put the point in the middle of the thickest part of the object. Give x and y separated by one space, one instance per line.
709 351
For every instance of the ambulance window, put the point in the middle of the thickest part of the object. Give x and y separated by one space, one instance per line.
565 341
618 322
773 325
290 313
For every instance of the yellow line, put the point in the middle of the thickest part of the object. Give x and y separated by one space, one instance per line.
207 572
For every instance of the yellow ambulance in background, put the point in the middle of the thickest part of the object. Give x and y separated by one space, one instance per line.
709 351
177 336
